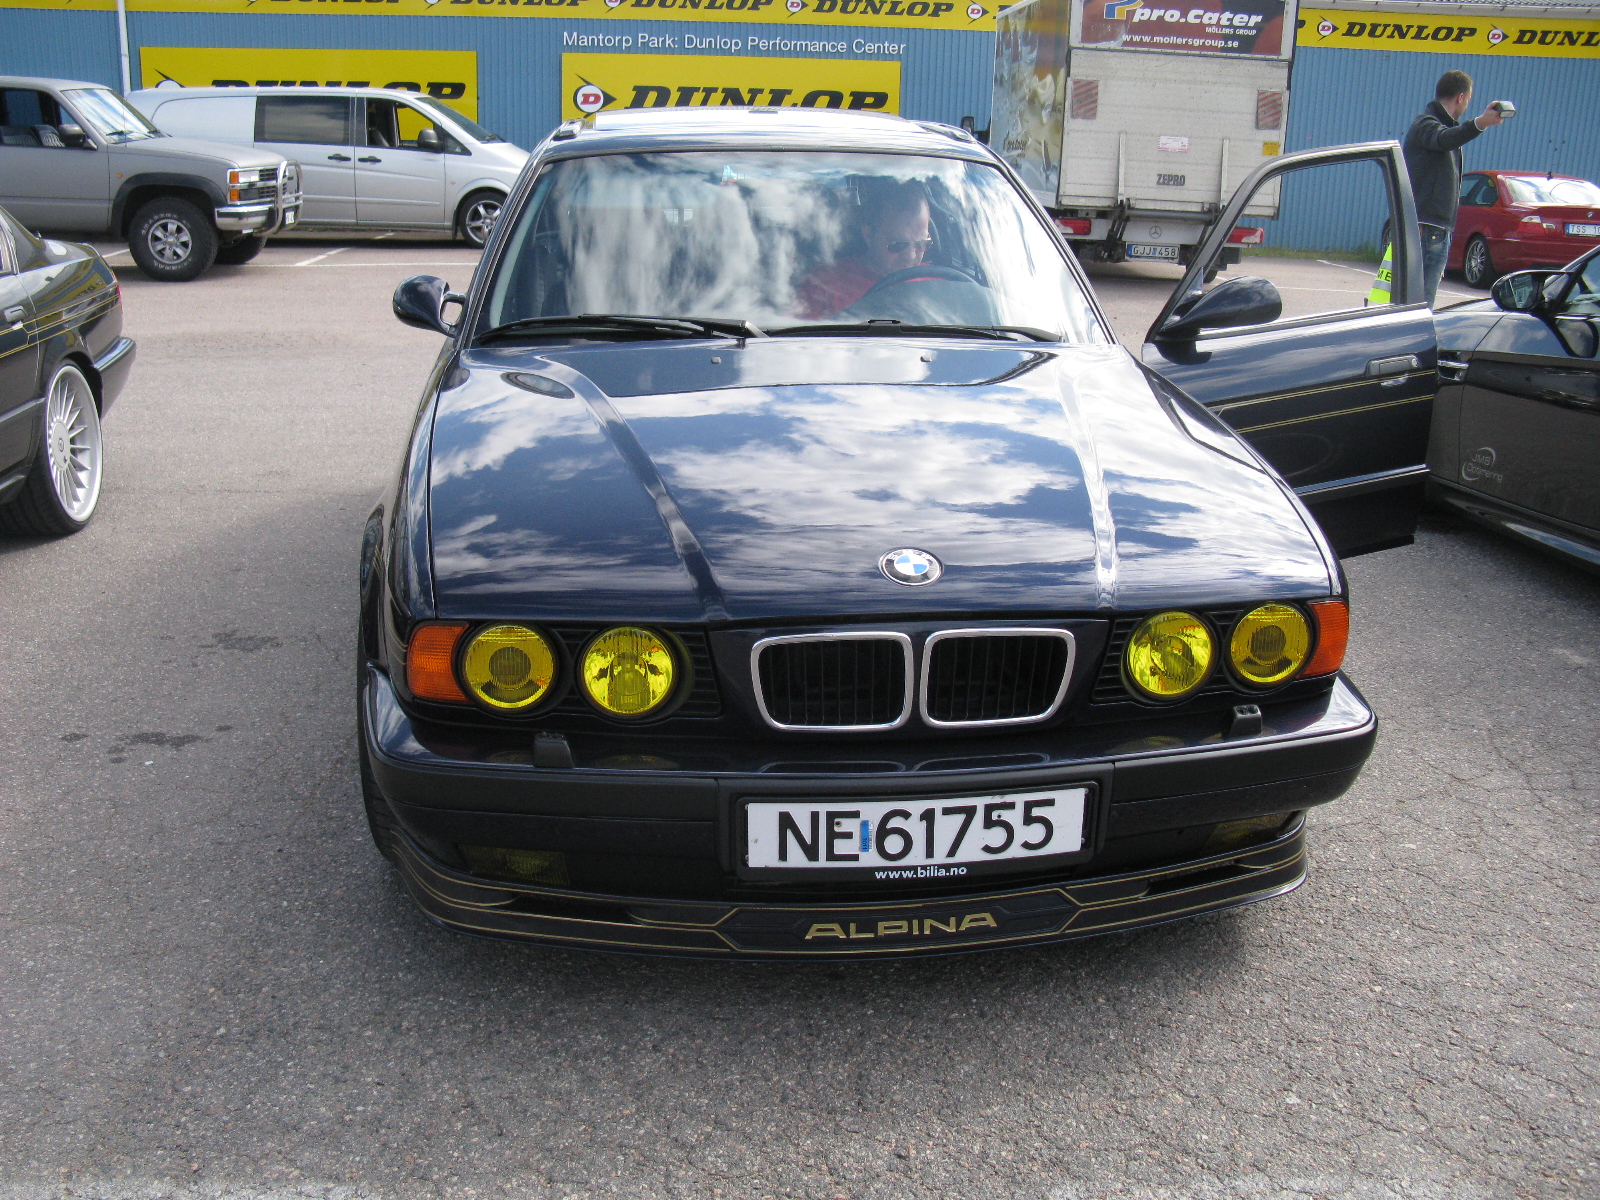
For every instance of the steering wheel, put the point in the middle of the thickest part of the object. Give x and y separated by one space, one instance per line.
926 271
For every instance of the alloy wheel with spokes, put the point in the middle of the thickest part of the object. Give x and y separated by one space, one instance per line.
1476 266
63 488
478 218
170 242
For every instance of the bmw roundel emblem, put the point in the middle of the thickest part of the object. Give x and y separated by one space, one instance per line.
910 567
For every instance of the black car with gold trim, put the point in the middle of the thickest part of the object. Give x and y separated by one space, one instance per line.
787 561
63 360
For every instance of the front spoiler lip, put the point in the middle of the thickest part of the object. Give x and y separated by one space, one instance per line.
1035 915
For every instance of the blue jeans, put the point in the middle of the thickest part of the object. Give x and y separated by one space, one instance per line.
1435 249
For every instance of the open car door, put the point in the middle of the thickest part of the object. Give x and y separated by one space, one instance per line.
1332 384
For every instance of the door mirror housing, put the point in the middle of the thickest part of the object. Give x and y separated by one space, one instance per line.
1527 291
420 300
428 139
74 136
1249 300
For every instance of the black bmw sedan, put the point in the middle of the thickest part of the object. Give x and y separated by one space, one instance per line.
788 562
63 360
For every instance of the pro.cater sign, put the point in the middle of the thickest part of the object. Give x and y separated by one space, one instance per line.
1254 28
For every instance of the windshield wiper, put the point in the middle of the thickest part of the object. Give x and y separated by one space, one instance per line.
891 328
613 323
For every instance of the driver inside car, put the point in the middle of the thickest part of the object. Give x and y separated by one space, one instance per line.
895 236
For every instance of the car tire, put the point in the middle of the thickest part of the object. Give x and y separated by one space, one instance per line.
172 240
380 821
1477 268
476 217
240 251
62 489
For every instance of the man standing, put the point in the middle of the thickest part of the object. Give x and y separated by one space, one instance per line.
1433 160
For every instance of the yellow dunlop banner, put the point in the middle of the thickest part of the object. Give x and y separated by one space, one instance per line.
448 75
886 14
1504 33
598 82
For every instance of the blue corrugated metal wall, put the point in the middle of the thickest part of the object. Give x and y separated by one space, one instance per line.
1339 96
59 45
945 74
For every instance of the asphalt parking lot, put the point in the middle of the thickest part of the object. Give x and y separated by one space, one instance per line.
214 987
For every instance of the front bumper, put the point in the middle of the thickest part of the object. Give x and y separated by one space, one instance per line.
265 217
886 929
656 844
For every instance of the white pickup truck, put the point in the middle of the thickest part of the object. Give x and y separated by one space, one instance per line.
1133 124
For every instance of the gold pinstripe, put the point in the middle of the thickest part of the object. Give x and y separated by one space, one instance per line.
1343 412
1317 391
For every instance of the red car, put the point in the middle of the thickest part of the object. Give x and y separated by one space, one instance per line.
1513 220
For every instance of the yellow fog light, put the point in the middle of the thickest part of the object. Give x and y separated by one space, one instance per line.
628 671
1169 655
508 667
1269 644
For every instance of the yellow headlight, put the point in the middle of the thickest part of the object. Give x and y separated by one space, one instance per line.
1169 655
1270 643
508 667
628 671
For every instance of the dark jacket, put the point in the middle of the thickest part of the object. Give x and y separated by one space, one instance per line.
1433 160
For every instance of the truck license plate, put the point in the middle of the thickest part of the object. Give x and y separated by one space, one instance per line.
1583 230
1170 253
918 837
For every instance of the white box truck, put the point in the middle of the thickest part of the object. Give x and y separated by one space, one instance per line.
1133 123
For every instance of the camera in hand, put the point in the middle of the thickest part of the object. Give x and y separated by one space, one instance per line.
1505 108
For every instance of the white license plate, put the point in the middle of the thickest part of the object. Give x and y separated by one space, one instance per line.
1583 230
1167 252
914 838
289 218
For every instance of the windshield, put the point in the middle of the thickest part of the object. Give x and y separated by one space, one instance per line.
1552 191
469 127
786 240
108 114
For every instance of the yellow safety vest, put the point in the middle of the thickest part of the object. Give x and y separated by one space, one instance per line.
1382 285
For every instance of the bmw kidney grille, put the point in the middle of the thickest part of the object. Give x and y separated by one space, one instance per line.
858 682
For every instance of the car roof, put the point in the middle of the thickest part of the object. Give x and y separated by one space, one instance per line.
1505 174
285 90
40 81
727 126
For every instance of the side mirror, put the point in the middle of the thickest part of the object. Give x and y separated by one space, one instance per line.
1525 291
420 300
1249 300
73 135
428 139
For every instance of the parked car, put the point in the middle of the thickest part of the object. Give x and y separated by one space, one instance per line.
371 158
63 360
1514 220
746 594
75 159
1516 426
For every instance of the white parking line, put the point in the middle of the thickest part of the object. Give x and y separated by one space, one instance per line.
1444 291
319 257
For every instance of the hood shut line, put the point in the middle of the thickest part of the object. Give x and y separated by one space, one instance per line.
621 436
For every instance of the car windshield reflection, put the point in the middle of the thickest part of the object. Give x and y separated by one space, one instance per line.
787 241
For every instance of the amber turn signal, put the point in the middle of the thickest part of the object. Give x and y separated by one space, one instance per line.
430 663
1333 635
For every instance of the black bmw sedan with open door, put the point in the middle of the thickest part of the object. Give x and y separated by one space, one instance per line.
788 562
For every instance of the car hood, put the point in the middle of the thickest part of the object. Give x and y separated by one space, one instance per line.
199 150
764 480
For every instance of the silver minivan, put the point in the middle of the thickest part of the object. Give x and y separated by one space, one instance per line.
369 157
